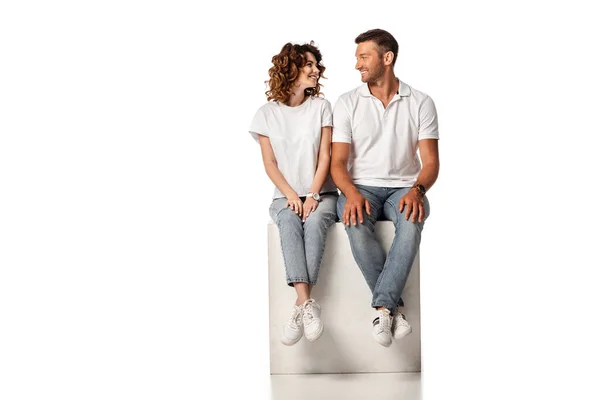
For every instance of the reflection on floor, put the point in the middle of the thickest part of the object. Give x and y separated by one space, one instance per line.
380 386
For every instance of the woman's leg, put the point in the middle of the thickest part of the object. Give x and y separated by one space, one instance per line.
315 234
291 235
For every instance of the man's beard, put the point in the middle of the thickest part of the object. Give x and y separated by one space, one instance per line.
376 73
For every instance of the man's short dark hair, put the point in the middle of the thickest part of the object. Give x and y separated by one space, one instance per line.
384 40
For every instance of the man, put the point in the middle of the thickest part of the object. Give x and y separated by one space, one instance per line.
377 129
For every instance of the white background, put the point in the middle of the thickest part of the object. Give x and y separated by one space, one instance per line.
134 203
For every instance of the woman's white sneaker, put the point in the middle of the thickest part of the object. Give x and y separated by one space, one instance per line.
293 329
311 319
382 328
400 326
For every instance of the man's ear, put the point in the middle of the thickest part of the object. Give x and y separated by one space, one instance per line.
388 58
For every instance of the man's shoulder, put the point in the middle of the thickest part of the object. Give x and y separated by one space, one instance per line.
417 95
350 96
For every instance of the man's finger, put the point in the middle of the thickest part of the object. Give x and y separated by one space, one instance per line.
345 215
407 211
360 214
421 212
368 207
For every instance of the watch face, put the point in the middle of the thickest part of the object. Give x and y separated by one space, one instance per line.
316 196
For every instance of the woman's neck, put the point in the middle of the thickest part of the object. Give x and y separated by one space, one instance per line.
297 98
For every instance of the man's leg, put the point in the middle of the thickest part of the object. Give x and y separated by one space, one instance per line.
407 237
366 250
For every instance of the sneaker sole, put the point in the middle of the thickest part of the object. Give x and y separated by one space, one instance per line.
291 342
317 335
408 332
380 342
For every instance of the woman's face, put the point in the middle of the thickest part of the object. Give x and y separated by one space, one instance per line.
309 74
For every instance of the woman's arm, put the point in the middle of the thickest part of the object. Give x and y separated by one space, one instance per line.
323 161
276 176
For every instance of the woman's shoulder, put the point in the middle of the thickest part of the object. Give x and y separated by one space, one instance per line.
320 102
269 105
267 108
319 99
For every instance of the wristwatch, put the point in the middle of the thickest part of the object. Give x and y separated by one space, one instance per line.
315 196
420 188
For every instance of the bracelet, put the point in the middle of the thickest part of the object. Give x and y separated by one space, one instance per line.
420 188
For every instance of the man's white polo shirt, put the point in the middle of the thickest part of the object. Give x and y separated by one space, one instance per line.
384 142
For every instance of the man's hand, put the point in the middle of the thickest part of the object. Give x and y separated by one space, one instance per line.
310 205
413 201
353 210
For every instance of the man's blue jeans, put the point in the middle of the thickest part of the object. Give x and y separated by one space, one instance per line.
386 276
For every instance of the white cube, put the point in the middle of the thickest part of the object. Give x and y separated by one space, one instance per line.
346 345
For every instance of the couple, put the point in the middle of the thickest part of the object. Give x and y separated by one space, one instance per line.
368 149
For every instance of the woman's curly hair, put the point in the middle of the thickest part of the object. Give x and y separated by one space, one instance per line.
286 68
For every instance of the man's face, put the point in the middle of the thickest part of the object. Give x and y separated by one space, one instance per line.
368 62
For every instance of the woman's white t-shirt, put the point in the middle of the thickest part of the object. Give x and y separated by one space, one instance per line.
295 135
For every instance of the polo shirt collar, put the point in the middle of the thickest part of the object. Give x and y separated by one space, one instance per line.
404 89
403 92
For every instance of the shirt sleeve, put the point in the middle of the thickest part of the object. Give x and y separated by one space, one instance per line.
259 124
326 114
342 128
428 122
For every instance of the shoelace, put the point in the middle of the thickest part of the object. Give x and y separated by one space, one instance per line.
384 323
401 320
296 317
308 311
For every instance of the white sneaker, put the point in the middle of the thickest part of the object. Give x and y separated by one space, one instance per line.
400 326
292 330
382 328
313 326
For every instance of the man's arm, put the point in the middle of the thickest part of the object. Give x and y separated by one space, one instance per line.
430 160
339 167
339 173
413 200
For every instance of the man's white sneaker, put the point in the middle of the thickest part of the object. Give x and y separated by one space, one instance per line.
400 326
382 328
292 330
311 318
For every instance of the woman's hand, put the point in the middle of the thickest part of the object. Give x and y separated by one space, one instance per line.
310 205
295 204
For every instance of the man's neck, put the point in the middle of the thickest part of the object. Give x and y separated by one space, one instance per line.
386 87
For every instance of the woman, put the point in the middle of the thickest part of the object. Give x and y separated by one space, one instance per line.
294 132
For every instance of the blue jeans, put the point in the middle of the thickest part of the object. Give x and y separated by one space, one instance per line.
303 244
386 276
